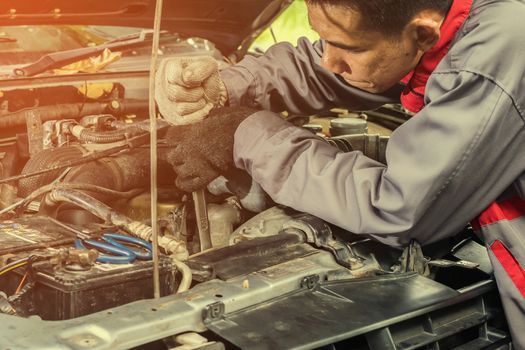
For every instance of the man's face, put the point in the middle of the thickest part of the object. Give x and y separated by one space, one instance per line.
366 59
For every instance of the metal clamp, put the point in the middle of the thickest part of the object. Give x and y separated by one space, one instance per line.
213 312
310 282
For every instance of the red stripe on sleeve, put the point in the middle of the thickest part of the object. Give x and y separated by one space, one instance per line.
510 264
509 209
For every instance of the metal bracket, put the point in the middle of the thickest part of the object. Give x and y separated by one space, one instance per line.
34 132
310 282
319 233
201 214
213 312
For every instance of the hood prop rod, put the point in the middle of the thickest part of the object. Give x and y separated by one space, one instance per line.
153 147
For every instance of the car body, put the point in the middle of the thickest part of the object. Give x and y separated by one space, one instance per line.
275 279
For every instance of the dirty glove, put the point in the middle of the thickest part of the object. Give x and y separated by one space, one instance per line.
187 88
203 151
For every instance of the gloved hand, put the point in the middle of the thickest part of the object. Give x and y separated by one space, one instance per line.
187 88
201 152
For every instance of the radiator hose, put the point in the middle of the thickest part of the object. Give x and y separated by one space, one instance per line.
106 213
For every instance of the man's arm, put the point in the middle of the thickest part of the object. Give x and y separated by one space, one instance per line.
445 165
292 79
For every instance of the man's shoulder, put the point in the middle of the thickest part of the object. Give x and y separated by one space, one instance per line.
504 17
491 43
492 26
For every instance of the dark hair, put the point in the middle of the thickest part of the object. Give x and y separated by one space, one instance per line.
387 16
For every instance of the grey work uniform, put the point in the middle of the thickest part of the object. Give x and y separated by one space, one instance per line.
446 165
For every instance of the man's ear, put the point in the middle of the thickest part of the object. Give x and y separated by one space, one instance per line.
425 30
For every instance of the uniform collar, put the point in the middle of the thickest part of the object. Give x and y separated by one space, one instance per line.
412 97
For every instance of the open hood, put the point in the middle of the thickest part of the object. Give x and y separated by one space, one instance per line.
231 24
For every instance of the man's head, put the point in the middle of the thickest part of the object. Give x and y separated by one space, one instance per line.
373 44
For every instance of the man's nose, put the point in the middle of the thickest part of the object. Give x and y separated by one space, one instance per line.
333 61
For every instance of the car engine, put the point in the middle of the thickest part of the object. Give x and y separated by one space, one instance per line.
84 171
241 271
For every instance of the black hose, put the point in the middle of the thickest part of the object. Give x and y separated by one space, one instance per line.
132 143
45 160
72 111
55 112
138 229
79 186
88 203
91 136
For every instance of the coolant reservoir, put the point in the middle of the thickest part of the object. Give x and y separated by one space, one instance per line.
223 219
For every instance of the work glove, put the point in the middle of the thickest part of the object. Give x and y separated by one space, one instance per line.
187 88
201 152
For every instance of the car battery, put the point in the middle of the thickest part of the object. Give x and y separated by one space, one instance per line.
61 293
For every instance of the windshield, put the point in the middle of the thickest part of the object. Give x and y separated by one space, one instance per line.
26 44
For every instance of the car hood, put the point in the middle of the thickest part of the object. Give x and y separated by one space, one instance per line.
231 24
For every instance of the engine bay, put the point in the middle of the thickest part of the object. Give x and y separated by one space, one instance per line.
76 170
76 234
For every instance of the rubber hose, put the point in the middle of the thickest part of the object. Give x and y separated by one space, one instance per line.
108 214
119 173
122 172
44 160
55 112
91 136
73 111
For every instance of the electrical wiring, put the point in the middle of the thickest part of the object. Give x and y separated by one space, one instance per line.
21 284
15 265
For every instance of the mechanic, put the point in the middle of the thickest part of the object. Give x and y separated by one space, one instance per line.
457 64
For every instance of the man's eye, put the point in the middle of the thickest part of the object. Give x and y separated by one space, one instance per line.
354 50
349 49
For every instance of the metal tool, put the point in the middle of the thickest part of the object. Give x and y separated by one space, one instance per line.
116 239
201 215
114 251
448 263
